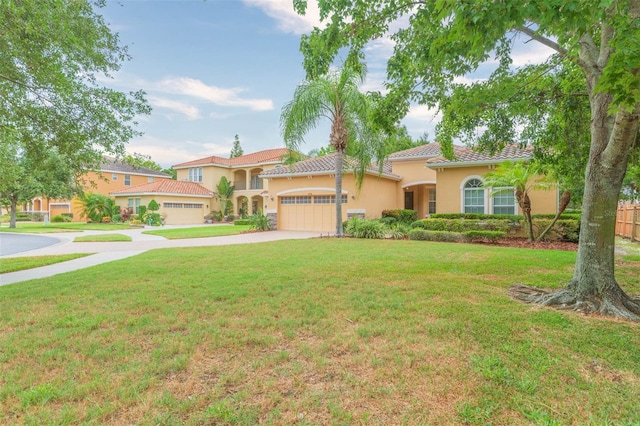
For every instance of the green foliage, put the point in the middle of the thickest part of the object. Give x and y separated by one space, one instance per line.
96 206
401 215
153 206
443 236
487 236
242 222
236 150
478 216
363 228
462 225
58 219
259 222
138 160
142 213
116 218
564 229
153 219
399 231
224 192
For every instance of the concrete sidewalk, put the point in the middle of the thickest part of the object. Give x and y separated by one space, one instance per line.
108 252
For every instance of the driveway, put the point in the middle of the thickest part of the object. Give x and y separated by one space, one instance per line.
18 243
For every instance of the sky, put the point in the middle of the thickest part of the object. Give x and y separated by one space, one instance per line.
214 69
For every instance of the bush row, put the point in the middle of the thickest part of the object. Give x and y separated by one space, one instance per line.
455 237
400 215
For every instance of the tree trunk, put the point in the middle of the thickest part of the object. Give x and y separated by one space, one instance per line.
13 213
339 161
564 202
593 288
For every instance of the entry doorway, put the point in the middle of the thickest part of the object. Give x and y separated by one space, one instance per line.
408 200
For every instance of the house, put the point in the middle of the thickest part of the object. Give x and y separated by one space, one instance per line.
303 197
180 202
243 172
112 175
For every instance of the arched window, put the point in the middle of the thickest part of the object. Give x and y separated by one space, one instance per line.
473 196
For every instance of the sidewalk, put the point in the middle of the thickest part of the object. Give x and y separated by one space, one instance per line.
108 252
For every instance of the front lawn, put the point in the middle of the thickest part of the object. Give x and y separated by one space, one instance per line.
199 231
102 238
314 332
41 228
12 264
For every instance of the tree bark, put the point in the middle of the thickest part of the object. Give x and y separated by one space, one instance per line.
339 163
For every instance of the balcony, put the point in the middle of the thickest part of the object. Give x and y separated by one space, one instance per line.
239 185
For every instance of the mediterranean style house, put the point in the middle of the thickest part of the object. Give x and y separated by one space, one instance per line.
302 196
112 175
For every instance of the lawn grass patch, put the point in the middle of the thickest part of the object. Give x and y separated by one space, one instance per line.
41 228
13 264
200 231
319 331
100 238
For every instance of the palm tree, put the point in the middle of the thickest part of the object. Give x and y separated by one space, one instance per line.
520 177
334 96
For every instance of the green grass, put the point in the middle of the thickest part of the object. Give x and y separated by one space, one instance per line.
102 238
200 231
13 264
41 228
315 332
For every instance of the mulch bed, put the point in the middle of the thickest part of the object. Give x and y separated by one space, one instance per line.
540 245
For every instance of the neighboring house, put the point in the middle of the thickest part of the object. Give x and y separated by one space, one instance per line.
111 176
180 202
243 172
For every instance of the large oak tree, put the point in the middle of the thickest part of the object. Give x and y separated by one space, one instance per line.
55 56
438 41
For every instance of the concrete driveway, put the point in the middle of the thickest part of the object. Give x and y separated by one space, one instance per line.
18 243
111 251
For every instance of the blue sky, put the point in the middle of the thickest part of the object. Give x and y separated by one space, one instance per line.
216 68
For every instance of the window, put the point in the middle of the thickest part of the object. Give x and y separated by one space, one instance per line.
256 182
114 176
127 180
150 179
432 201
303 200
195 174
134 205
192 206
473 196
287 200
328 199
504 201
172 205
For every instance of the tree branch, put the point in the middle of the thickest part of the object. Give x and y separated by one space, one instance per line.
541 39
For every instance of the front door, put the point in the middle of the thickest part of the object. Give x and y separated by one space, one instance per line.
408 200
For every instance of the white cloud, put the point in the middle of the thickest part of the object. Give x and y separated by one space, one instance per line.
423 113
191 112
170 152
217 95
288 20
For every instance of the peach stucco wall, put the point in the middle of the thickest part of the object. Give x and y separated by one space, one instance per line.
173 216
449 192
417 179
376 195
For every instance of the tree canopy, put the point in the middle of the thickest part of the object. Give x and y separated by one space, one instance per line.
596 62
236 151
54 56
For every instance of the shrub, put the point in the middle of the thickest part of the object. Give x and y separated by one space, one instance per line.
106 219
259 222
37 217
67 216
363 228
564 229
488 236
401 215
477 216
117 218
242 222
462 225
399 231
443 236
154 219
388 220
58 219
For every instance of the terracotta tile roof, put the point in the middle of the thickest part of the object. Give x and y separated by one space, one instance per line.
167 187
110 164
266 156
470 157
429 150
324 165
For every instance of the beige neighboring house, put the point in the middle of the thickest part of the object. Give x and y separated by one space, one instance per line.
243 172
180 202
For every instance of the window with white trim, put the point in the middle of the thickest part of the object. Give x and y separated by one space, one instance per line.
114 176
195 174
503 201
134 204
432 201
127 180
473 196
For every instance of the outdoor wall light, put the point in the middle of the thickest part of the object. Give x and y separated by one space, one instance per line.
271 198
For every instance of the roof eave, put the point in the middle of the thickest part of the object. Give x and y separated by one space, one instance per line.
472 163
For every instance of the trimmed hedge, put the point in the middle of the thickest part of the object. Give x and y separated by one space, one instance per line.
564 229
242 222
490 236
477 216
463 225
442 236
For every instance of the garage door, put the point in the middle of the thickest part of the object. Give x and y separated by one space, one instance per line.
306 213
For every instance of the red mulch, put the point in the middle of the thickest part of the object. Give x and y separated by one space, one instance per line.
540 245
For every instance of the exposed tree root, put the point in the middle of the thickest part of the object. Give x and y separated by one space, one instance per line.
616 305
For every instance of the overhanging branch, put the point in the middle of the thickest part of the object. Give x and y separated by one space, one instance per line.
541 39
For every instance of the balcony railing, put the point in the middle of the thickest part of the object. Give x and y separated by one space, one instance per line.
239 185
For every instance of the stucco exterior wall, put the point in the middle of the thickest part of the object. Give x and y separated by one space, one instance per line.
172 215
449 191
373 198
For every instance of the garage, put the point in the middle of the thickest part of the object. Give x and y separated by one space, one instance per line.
307 213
